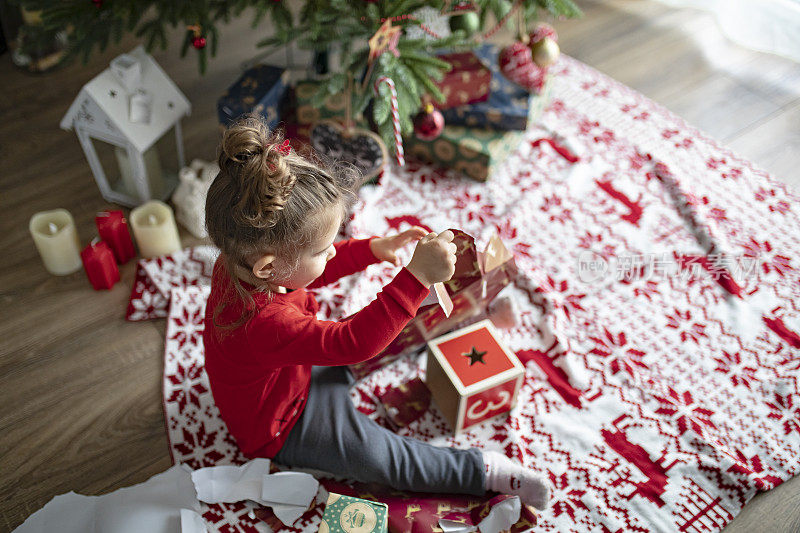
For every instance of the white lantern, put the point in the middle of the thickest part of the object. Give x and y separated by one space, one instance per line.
128 123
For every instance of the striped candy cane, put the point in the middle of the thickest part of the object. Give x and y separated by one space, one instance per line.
398 139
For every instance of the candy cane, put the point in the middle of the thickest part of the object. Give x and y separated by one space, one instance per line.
398 139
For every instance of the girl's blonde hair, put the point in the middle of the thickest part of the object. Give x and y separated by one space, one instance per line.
265 198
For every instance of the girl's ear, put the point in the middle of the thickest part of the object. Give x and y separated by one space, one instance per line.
264 267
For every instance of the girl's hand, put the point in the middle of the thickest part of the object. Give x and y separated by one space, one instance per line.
434 258
385 248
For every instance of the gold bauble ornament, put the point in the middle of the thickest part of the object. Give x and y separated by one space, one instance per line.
545 52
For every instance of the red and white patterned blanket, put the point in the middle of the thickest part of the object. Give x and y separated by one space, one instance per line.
690 338
156 277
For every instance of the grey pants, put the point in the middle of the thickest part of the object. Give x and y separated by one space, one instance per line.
332 435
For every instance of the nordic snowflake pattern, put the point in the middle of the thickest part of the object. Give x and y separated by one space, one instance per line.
693 398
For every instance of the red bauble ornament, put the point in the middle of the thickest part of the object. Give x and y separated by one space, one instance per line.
98 3
516 63
429 123
199 42
541 31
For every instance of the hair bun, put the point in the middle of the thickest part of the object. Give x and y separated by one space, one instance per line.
244 139
263 179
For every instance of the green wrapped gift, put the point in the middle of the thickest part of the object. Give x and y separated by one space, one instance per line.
307 114
346 514
475 152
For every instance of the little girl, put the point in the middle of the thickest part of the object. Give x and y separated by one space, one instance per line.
274 215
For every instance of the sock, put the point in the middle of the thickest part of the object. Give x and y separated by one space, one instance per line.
506 477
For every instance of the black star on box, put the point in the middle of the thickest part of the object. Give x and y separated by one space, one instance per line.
475 356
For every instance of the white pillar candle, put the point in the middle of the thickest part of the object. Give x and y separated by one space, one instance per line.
154 228
56 239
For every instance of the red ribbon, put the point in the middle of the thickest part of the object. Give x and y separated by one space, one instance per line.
558 147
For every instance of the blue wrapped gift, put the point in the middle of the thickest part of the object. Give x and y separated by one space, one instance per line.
260 89
509 106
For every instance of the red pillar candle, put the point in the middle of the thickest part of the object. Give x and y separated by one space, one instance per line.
113 230
100 265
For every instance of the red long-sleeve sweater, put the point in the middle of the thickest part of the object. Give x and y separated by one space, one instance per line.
260 372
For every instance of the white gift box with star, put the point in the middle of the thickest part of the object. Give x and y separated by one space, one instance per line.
472 376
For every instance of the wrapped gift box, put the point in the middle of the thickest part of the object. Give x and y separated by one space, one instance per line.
508 107
345 514
478 278
473 377
467 82
415 512
260 89
475 152
306 114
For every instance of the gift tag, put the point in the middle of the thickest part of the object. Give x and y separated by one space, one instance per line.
495 254
357 146
444 298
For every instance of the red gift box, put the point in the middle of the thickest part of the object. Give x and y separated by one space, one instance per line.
467 82
100 265
478 278
409 512
473 377
113 230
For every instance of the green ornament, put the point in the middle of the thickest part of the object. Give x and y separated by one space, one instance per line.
469 23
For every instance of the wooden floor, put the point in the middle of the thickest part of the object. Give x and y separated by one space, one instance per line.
80 403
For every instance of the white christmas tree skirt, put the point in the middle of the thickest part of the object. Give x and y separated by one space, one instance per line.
690 403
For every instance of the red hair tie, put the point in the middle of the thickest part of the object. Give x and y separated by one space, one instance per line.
284 148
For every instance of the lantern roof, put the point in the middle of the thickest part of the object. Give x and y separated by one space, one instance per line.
109 92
